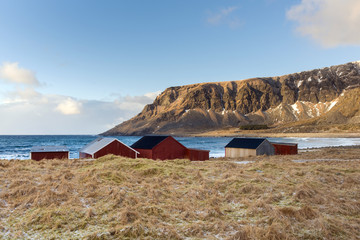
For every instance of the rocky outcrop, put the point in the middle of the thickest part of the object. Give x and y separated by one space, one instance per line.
272 101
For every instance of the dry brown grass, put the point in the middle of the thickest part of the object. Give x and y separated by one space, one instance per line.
119 198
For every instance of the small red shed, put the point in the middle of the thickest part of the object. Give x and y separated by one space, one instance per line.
103 146
166 147
197 154
285 148
49 152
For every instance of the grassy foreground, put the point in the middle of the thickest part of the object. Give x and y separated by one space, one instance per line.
119 198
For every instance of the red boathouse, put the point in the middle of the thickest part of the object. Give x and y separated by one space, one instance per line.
166 147
285 148
49 152
103 146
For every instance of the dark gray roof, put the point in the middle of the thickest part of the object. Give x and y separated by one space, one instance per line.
148 142
49 149
248 143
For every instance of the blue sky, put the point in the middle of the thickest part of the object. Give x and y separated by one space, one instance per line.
80 67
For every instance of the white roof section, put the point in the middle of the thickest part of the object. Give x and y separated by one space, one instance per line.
99 144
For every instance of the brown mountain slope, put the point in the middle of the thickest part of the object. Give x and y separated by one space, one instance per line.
273 101
343 117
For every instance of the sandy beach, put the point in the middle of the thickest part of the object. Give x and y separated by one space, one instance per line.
234 132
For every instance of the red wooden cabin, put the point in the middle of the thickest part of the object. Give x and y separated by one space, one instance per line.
166 147
285 148
49 152
103 146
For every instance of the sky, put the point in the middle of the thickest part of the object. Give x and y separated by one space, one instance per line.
82 67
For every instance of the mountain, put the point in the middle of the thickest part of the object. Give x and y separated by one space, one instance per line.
322 96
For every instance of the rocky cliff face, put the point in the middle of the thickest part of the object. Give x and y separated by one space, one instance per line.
271 101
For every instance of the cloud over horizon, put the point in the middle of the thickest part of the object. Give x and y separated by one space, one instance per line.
135 102
26 111
69 106
12 73
331 23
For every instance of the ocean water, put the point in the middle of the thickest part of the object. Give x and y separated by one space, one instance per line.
18 146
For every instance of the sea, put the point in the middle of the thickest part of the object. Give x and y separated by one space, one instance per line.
18 146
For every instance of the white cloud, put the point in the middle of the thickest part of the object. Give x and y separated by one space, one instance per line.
136 103
69 106
24 110
329 22
152 95
22 95
225 16
11 72
27 111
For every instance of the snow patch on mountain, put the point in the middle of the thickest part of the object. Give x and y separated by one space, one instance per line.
299 83
300 110
356 62
332 104
295 108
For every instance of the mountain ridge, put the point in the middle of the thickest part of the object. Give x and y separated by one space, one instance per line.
273 101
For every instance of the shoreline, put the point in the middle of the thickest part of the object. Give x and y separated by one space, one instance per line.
300 151
272 135
20 148
223 133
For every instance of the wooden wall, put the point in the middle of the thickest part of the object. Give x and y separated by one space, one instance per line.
197 155
169 149
116 148
265 148
285 149
49 155
239 152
